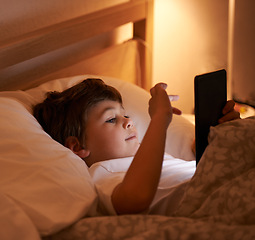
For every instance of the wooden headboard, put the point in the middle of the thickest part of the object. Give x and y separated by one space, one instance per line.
93 28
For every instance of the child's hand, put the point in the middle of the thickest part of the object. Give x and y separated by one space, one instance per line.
159 104
229 112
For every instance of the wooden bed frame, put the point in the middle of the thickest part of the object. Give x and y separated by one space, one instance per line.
15 52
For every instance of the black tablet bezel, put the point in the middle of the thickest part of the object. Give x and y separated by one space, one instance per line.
210 98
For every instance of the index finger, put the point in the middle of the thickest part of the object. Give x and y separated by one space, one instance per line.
163 85
158 85
228 107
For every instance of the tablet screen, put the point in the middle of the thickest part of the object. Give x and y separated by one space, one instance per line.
210 98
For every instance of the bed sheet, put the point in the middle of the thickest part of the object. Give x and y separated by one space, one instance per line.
219 201
106 175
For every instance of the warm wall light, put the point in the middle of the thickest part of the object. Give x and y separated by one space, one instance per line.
190 38
231 17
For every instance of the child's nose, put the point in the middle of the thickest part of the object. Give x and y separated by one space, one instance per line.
128 123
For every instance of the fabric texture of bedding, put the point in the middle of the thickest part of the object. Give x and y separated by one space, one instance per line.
14 222
223 187
148 227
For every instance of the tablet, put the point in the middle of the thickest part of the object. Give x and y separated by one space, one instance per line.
210 98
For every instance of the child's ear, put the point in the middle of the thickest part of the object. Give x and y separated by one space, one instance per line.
74 145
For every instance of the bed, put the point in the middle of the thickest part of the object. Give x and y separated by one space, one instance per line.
46 192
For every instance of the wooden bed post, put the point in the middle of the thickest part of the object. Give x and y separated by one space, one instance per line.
144 30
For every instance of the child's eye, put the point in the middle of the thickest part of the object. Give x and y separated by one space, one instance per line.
126 116
112 120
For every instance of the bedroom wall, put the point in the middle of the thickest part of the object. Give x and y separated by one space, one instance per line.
244 52
190 38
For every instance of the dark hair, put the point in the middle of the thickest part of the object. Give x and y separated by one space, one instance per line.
64 114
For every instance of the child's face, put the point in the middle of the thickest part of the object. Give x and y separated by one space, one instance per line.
109 133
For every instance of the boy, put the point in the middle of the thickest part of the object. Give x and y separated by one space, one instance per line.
90 120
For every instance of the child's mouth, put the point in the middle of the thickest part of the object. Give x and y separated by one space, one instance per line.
131 137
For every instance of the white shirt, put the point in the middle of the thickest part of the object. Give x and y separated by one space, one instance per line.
175 173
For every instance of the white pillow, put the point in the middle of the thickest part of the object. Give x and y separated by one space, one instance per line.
15 224
180 134
50 183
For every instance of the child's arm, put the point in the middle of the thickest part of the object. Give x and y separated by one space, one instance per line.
139 185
